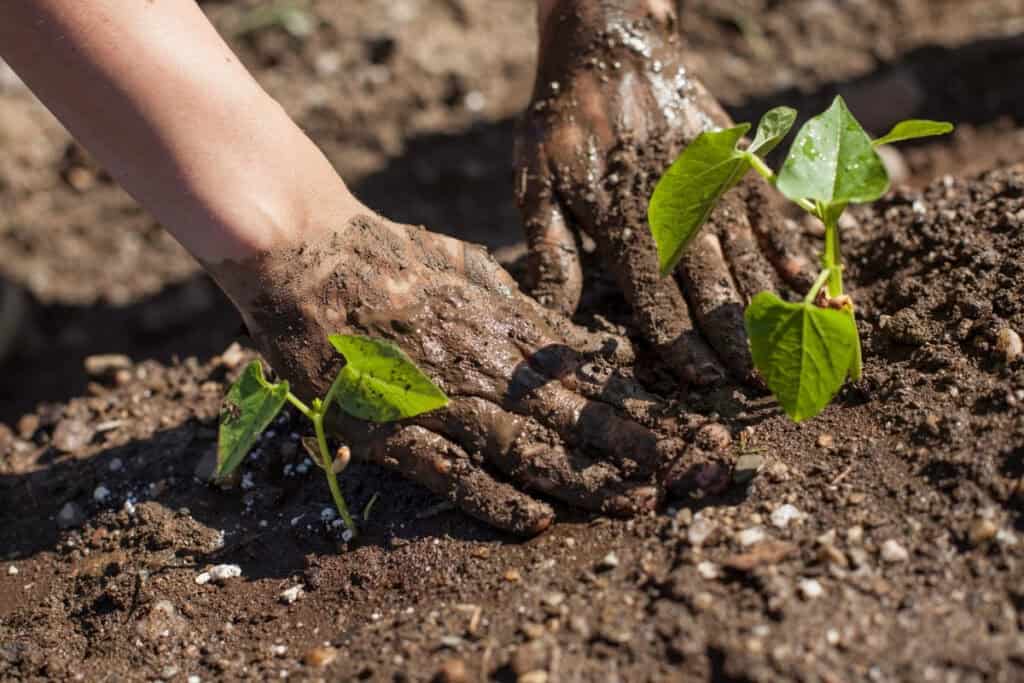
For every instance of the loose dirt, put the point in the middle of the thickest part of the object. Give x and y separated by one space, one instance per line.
879 541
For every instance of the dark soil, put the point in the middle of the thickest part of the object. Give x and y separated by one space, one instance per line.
905 557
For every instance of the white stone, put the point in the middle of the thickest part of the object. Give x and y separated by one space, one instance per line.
101 494
699 531
750 536
893 552
708 570
784 514
12 570
290 595
811 589
222 572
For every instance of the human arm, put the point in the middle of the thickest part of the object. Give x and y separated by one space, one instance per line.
156 95
159 99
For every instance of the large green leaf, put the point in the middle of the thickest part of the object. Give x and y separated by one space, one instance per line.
913 129
379 382
690 188
804 352
251 404
774 126
832 160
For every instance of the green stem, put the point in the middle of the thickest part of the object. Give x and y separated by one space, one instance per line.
823 276
299 405
768 174
831 259
328 467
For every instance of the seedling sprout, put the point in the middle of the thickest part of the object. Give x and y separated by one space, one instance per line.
805 350
378 383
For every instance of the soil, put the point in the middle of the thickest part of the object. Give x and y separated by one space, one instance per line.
879 541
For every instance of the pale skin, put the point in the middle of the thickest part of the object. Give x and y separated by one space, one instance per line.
150 88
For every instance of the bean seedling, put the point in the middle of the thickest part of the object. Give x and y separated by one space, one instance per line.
378 383
805 350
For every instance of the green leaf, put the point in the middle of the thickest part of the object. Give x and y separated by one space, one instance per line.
832 160
774 127
803 352
690 188
913 129
379 382
251 404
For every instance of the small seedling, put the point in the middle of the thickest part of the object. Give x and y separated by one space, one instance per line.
378 383
805 350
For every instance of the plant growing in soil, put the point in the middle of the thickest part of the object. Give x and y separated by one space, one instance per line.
378 383
804 350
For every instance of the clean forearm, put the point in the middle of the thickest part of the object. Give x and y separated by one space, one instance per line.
156 95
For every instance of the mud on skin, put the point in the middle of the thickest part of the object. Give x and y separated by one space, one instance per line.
536 400
613 105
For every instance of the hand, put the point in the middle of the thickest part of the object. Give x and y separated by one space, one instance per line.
612 107
536 402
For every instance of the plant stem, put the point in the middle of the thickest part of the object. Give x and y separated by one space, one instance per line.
768 174
299 405
831 259
332 479
823 276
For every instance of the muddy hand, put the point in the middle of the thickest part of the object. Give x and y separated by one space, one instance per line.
613 105
534 406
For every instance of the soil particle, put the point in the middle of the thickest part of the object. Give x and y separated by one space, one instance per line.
72 435
893 552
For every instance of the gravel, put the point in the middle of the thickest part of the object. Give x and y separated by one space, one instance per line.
784 514
894 553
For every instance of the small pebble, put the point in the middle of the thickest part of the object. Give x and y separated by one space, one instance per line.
1009 345
750 536
72 435
12 570
811 589
115 465
513 576
981 531
747 467
699 531
893 552
608 562
278 650
784 514
703 600
826 441
70 516
219 573
320 657
290 595
106 364
708 570
101 494
232 356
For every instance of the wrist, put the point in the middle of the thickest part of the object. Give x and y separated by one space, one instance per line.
577 32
